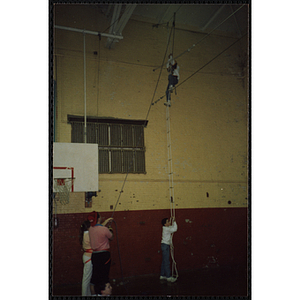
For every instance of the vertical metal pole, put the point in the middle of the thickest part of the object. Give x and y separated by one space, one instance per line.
84 86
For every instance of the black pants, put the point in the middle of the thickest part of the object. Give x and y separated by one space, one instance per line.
101 265
173 80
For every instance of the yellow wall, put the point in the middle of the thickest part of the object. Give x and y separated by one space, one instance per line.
209 114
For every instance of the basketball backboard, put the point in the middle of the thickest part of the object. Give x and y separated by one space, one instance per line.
78 161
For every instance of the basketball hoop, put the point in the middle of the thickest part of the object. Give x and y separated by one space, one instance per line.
62 188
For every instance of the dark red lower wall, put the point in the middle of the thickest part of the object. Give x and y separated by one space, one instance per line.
205 237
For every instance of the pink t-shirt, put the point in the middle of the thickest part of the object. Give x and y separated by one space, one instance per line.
99 237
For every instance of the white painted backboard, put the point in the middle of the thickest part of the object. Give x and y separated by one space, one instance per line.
80 158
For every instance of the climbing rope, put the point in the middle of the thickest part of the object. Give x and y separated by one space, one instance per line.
171 188
148 112
208 34
170 169
170 165
215 57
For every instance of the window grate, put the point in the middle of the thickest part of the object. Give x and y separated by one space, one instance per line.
121 146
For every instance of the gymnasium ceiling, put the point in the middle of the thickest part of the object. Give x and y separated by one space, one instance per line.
196 17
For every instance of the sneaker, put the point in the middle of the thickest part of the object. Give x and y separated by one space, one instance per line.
171 279
168 103
171 88
162 277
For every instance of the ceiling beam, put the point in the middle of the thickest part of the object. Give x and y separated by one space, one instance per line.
213 17
168 15
113 24
115 17
118 24
236 23
125 18
164 14
119 37
108 10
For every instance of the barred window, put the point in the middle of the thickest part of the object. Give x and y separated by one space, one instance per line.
121 142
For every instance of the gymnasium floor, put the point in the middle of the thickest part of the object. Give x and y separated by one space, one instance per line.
204 282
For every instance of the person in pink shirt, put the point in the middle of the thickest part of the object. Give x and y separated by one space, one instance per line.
100 236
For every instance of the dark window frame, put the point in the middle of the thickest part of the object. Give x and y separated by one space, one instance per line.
120 142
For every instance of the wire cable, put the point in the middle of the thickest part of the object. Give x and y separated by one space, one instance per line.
179 84
113 22
209 33
148 112
167 23
174 266
170 172
211 60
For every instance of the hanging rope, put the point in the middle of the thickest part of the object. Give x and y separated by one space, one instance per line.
154 102
203 66
146 119
171 188
167 23
161 67
170 167
173 27
170 170
98 71
211 60
209 33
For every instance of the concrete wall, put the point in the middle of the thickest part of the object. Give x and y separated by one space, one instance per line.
209 130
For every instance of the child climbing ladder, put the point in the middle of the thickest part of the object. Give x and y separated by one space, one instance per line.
173 78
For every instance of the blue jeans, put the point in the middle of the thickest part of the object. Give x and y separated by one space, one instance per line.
165 264
172 81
